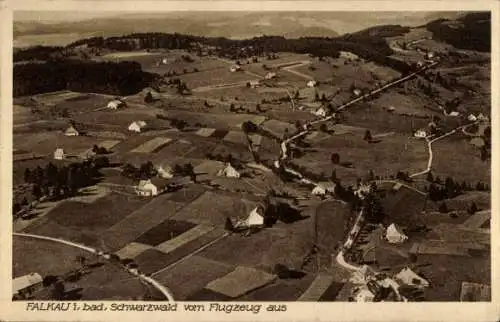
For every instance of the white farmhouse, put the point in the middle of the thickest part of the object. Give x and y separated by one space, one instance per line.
234 68
348 55
312 83
420 134
71 131
472 118
136 126
320 112
357 92
115 104
270 75
229 172
59 154
395 235
319 191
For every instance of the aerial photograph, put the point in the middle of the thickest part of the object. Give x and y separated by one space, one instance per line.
318 156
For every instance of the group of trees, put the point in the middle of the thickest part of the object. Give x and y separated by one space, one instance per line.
439 190
122 78
145 171
63 181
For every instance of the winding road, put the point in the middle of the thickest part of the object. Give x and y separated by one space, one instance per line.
164 290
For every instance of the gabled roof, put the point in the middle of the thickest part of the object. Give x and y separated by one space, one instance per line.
25 281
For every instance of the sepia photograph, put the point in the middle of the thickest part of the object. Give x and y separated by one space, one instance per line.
246 156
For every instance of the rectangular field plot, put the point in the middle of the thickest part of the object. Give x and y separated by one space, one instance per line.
152 145
217 121
140 221
190 276
212 208
108 144
84 103
453 250
96 216
167 230
241 281
183 237
153 260
277 127
220 76
280 290
132 250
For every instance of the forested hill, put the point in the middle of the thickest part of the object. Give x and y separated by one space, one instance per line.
472 31
123 78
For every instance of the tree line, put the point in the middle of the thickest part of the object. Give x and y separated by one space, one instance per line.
64 181
123 78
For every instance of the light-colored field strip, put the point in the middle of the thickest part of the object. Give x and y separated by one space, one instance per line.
481 292
478 219
449 249
152 145
132 250
205 132
128 54
182 239
94 193
241 281
108 144
235 137
317 288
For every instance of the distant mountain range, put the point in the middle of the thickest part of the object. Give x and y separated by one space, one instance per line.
53 29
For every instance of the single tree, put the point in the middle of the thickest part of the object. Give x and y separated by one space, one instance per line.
472 208
368 136
443 208
335 158
148 98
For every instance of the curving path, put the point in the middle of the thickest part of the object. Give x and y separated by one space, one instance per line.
164 290
429 147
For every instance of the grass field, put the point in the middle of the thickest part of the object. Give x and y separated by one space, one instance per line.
83 103
403 207
140 221
167 230
390 155
85 223
152 145
106 282
192 275
215 77
218 121
455 158
213 208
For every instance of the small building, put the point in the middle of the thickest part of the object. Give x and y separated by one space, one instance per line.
312 83
25 285
320 112
319 191
136 126
357 92
409 277
420 133
270 75
363 294
151 187
454 114
348 55
254 219
228 172
391 108
59 154
234 68
420 64
115 104
164 61
71 131
430 55
472 118
164 173
395 235
254 83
